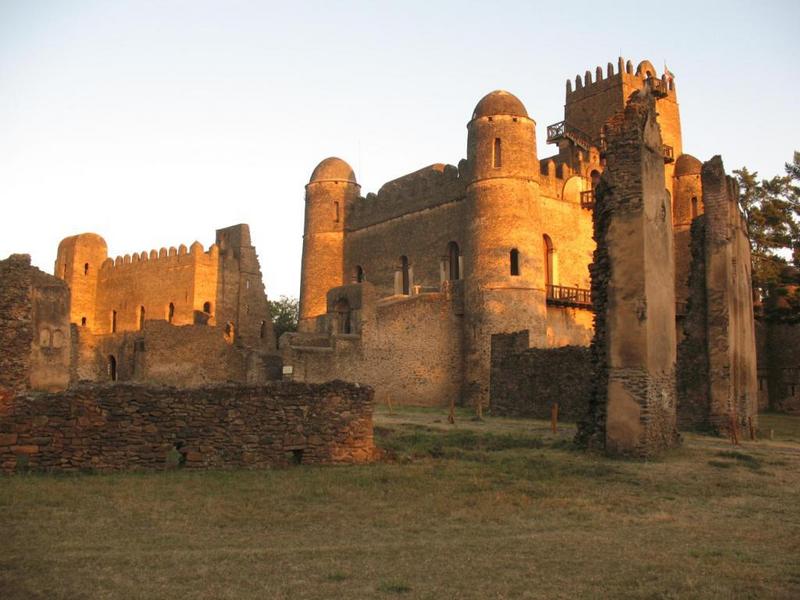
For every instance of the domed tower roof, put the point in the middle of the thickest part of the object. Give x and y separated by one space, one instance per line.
333 169
687 165
499 102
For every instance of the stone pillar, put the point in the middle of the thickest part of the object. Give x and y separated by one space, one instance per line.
632 411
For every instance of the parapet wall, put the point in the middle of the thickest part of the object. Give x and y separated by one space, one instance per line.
122 427
527 382
426 188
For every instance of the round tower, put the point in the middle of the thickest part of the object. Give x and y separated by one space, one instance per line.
505 260
78 263
329 194
687 205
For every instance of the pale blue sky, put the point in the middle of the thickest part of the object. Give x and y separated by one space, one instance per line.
153 123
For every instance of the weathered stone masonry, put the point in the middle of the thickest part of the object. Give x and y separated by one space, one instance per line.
123 426
527 382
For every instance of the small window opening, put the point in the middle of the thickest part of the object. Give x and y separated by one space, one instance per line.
694 208
113 321
514 259
85 268
595 178
453 254
141 317
549 254
171 312
336 212
230 332
207 307
83 321
342 309
359 274
498 159
297 456
263 332
406 275
112 367
247 284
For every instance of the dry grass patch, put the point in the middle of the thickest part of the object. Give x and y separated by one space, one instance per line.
499 508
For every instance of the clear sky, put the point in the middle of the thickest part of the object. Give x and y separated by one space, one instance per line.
153 123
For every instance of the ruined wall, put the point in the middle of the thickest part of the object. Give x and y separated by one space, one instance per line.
632 409
16 322
34 327
782 360
121 427
527 382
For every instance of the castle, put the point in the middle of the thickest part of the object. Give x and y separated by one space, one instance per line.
404 289
179 316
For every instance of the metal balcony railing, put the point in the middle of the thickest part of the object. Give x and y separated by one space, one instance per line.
563 131
560 295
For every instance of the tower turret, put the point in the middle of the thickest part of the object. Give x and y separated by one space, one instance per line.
687 205
504 261
78 263
329 193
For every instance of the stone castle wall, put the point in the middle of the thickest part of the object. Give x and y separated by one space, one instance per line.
122 427
527 382
34 328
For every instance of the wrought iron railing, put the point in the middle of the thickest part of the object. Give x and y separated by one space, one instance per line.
562 130
560 295
587 199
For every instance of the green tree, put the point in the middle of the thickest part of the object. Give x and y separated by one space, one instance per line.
285 312
772 210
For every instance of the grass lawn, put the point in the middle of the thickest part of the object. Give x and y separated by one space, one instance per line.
495 509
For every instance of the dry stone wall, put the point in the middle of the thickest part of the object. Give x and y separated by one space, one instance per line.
527 382
122 427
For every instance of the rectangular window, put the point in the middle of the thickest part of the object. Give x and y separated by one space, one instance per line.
336 212
497 154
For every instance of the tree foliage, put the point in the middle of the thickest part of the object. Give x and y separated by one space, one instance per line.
772 210
285 312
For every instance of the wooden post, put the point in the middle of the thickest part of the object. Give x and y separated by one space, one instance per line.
554 417
451 417
752 429
732 426
389 403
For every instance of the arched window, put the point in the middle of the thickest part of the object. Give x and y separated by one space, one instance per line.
171 312
595 178
83 321
514 262
549 261
406 286
112 367
141 317
207 307
359 275
453 254
263 332
694 207
85 268
113 321
230 333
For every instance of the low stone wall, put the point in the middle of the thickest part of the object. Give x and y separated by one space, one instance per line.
526 382
121 427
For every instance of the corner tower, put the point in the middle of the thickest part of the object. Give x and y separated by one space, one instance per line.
504 266
329 194
78 263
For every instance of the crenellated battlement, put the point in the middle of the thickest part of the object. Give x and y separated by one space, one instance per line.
179 255
590 84
426 188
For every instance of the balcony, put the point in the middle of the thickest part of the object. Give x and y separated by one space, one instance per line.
657 87
587 199
668 153
559 295
563 131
